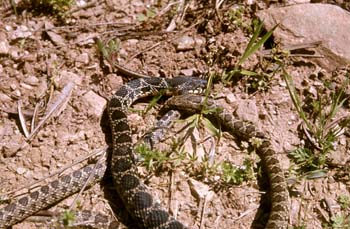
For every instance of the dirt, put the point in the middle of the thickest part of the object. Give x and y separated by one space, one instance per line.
41 52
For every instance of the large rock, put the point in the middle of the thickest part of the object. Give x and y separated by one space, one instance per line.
306 23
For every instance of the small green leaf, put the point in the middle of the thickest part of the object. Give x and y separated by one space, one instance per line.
316 174
212 129
141 17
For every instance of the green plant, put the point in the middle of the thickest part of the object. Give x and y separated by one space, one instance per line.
344 201
339 221
68 218
59 7
109 50
253 45
152 159
236 175
150 13
319 127
155 159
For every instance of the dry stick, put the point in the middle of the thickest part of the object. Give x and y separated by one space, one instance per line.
88 5
249 211
61 101
179 13
310 138
203 211
305 45
34 117
171 191
216 7
22 119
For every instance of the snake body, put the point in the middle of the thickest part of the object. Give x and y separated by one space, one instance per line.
244 130
50 194
137 199
135 195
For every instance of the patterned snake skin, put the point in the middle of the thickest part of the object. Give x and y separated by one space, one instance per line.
134 194
139 203
244 130
50 194
137 199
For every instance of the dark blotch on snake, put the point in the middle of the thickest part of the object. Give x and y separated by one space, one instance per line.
122 138
23 201
66 179
77 174
45 189
142 200
118 114
54 184
129 182
34 195
122 165
156 218
10 207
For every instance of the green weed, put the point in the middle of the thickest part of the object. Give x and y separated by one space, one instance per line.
253 45
344 201
232 174
155 159
150 13
340 221
68 218
319 127
56 7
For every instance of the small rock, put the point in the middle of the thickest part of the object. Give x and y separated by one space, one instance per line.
57 39
21 170
342 141
82 58
96 103
184 43
247 110
187 72
86 39
22 31
114 81
66 77
31 80
201 191
10 149
230 98
4 47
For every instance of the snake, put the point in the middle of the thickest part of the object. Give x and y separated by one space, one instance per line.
47 195
245 130
136 197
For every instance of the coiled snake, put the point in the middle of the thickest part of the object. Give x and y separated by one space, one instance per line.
132 191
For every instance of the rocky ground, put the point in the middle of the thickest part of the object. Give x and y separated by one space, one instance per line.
43 49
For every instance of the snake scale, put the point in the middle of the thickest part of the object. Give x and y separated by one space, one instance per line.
135 195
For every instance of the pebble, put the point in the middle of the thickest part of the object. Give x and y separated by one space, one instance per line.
184 43
31 80
82 58
247 110
66 77
21 170
96 103
230 98
22 31
4 47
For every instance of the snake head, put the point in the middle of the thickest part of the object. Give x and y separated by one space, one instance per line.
188 85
